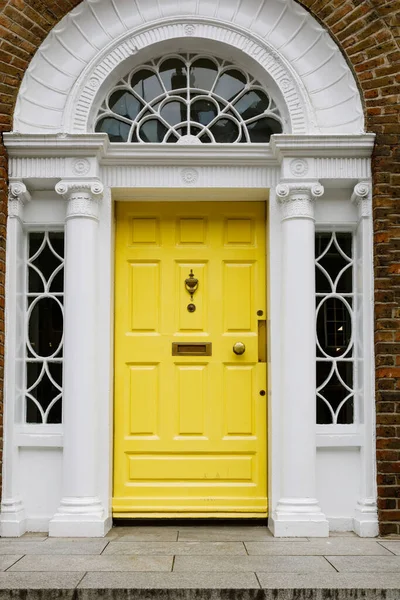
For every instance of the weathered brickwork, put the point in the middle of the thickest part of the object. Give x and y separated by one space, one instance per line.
368 32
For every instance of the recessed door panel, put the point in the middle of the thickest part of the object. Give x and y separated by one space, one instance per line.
190 423
144 296
143 399
192 390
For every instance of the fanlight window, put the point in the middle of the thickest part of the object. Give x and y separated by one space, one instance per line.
188 99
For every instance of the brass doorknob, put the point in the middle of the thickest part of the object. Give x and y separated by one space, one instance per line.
239 348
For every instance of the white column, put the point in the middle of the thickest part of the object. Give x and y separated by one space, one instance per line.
366 512
298 512
12 517
80 512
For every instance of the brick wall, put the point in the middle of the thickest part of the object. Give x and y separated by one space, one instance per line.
368 32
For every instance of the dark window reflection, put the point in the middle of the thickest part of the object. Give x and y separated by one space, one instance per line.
45 327
334 302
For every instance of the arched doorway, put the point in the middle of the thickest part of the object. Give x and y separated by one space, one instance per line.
58 154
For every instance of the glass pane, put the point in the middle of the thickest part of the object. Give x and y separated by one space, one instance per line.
260 131
117 130
324 415
203 73
345 241
345 283
152 131
346 413
35 241
55 413
334 327
174 112
203 111
321 242
57 283
252 104
173 74
146 84
323 285
230 84
35 282
46 262
44 391
225 131
125 104
56 239
205 139
333 262
45 326
172 138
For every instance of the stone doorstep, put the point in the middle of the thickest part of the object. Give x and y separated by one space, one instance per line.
201 594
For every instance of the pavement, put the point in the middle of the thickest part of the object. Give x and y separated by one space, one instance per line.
176 562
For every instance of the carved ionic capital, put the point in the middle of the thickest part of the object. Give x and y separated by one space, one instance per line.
83 198
362 196
297 200
17 196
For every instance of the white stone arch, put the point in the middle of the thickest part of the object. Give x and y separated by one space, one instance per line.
64 77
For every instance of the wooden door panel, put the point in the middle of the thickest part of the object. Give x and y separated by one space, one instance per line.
190 431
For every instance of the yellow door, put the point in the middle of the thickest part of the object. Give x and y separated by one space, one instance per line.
190 414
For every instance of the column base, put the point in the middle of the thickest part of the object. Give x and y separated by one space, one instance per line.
365 522
80 517
299 517
12 518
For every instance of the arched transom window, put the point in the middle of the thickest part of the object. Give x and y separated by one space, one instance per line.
188 99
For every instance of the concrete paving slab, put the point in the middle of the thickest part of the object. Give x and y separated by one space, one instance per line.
323 547
391 546
240 564
9 559
64 563
170 581
143 534
228 534
329 581
365 564
178 548
25 538
54 546
39 581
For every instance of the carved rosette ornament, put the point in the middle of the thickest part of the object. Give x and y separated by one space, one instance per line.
297 200
363 198
17 196
83 198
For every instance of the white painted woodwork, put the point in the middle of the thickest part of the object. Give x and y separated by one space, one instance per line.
53 144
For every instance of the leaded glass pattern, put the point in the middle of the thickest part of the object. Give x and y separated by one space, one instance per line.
335 328
189 99
44 335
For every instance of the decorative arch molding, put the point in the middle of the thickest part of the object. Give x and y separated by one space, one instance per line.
61 84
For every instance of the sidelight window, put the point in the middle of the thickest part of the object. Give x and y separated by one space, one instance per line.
335 328
44 330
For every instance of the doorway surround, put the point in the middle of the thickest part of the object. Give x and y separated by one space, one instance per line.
317 171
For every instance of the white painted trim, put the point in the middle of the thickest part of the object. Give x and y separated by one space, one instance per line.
306 69
42 161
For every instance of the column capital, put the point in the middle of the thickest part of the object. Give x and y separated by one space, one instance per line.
297 199
18 195
362 196
83 197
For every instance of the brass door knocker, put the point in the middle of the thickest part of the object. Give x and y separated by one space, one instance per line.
191 284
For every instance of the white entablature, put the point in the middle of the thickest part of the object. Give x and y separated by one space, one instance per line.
101 39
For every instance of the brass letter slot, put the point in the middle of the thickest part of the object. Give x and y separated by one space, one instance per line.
191 349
